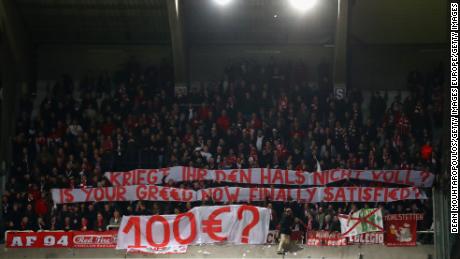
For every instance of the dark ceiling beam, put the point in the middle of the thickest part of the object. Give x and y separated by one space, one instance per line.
175 17
340 50
145 13
103 42
15 71
14 32
98 22
94 5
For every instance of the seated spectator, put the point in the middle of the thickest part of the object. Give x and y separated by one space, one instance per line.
100 224
116 219
334 226
26 224
84 224
311 223
41 225
68 225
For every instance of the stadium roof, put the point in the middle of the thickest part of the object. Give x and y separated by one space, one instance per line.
248 21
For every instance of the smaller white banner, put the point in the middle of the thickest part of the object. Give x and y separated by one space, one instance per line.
361 221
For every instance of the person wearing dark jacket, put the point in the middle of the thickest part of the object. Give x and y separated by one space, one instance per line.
335 225
286 223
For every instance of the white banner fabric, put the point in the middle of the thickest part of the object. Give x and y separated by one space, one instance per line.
236 224
268 176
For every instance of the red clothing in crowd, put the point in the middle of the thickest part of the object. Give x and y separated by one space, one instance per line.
99 225
281 151
203 113
230 160
107 145
107 129
223 122
256 123
403 125
40 207
426 151
35 193
131 122
283 103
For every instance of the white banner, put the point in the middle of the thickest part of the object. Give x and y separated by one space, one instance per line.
236 194
159 250
368 238
236 224
268 176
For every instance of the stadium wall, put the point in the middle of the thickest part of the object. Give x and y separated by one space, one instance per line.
232 251
77 60
385 67
213 58
390 72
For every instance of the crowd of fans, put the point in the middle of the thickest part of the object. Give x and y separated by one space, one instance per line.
257 116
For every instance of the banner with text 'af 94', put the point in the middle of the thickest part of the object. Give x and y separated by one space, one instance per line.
236 224
268 176
236 194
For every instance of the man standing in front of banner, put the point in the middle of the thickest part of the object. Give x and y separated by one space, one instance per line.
286 223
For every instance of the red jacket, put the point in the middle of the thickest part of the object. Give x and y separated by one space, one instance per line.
223 122
426 151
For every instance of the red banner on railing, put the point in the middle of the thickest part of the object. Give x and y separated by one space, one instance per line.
45 239
401 229
94 239
325 238
369 238
61 239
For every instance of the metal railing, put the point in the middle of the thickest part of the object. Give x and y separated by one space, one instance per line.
110 227
425 232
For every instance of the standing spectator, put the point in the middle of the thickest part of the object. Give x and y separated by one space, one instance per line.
286 224
335 224
223 122
426 151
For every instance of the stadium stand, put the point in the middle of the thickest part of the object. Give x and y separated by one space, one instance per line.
258 115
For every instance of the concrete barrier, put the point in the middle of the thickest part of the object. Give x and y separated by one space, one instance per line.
236 251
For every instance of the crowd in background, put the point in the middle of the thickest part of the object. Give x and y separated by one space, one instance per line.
271 115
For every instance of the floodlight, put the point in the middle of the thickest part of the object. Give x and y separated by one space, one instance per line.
303 5
222 2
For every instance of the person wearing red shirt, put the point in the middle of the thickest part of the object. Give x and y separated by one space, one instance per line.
100 224
203 113
426 150
107 144
256 123
223 122
403 124
84 224
108 127
41 208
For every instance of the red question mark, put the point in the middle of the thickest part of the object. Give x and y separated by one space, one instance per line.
255 220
